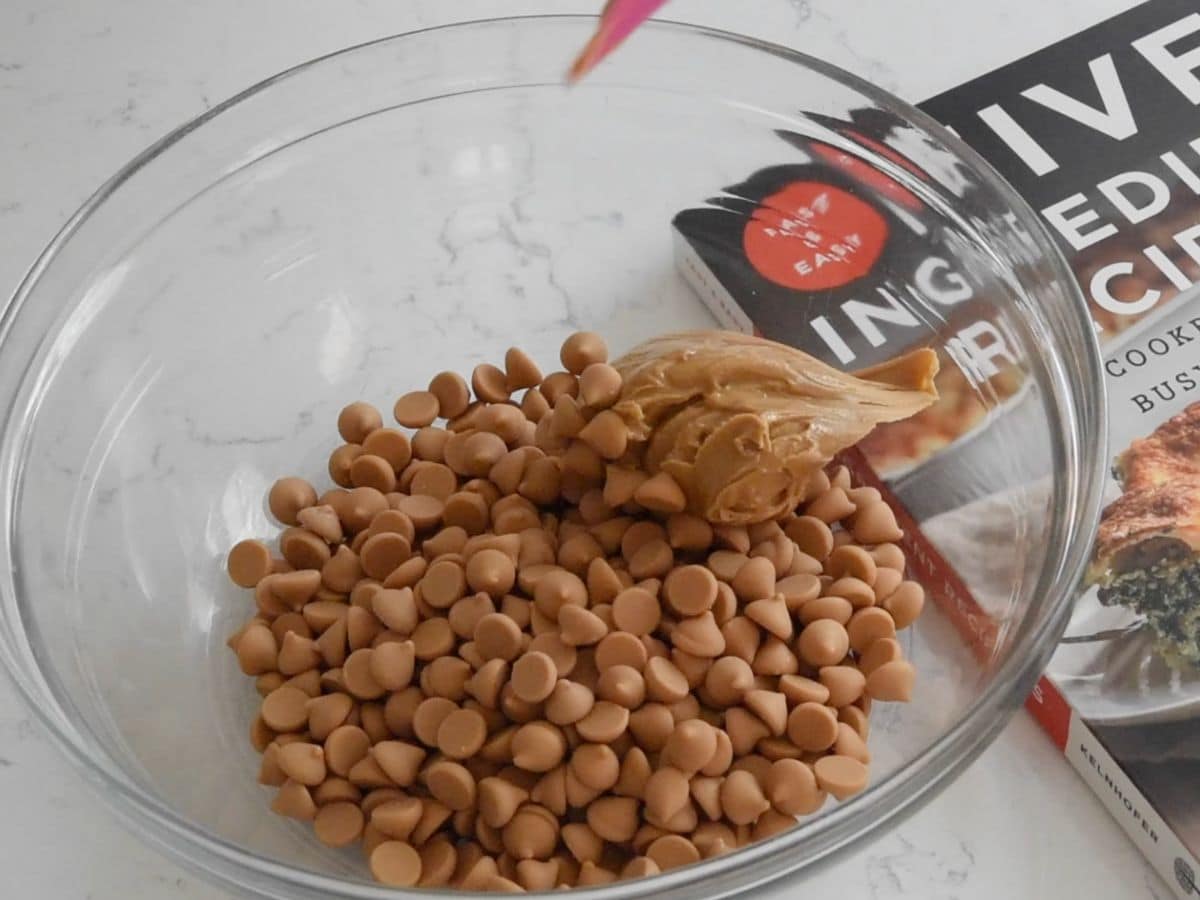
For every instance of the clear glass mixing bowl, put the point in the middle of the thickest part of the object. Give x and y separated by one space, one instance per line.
353 225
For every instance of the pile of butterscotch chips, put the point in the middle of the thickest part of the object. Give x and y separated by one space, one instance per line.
500 656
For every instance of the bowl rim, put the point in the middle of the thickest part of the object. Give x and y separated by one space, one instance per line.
742 870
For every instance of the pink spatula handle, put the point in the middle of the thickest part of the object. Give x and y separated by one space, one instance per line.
617 22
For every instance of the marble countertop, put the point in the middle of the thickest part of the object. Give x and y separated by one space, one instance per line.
85 85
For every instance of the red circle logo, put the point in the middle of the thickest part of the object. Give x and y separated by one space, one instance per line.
812 236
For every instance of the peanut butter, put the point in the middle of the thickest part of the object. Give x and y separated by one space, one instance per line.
742 423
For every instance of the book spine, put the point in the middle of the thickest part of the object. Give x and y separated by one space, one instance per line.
1116 790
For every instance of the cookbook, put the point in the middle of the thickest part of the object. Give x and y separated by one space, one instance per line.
1100 133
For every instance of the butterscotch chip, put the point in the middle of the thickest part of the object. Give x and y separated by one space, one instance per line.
727 681
538 747
489 383
288 496
534 405
451 392
770 707
869 625
534 676
446 677
566 419
850 560
621 649
580 627
423 511
551 790
839 609
620 484
691 746
599 385
499 799
831 506
444 584
434 815
383 553
665 683
390 445
249 563
754 580
464 615
889 556
498 637
841 776
891 681
576 553
345 747
881 651
301 549
367 470
905 603
339 824
661 493
672 851
451 784
303 762
429 444
569 702
492 572
690 590
509 470
772 615
876 524
438 859
613 818
556 588
294 801
326 713
396 864
257 650
604 723
356 673
399 760
823 643
774 657
812 727
652 561
416 409
622 685
488 682
607 434
358 420
722 758
886 583
394 818
285 709
725 564
666 793
744 729
322 521
428 718
297 654
636 611
742 798
582 349
850 743
699 636
564 655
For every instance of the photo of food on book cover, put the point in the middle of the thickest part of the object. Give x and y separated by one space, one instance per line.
1100 134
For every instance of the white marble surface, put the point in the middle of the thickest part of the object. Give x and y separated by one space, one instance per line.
85 85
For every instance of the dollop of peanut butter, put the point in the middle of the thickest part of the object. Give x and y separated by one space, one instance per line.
743 423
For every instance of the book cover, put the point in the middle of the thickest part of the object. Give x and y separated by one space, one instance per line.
1100 133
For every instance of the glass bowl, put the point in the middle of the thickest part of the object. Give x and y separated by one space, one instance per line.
354 225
